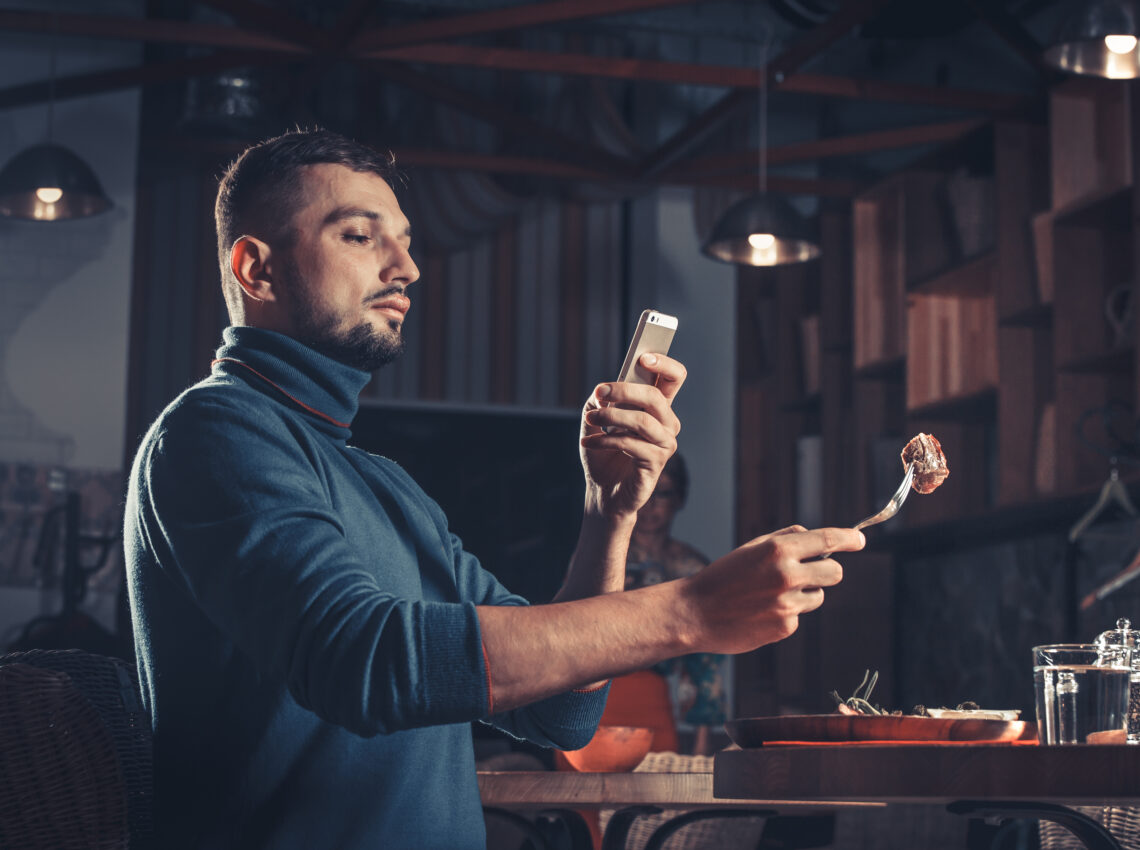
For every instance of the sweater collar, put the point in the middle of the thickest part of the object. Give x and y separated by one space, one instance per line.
323 390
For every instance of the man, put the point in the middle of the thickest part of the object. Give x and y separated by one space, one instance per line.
312 641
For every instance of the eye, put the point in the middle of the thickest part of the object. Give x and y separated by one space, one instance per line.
356 238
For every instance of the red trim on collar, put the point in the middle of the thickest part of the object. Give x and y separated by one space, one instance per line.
279 389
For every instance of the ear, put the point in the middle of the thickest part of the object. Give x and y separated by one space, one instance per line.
249 262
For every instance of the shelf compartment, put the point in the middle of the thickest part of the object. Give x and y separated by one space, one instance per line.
951 348
889 369
1093 277
1120 360
977 406
902 231
1110 209
970 277
1037 316
1090 139
877 228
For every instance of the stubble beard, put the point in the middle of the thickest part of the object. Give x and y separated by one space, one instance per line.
361 346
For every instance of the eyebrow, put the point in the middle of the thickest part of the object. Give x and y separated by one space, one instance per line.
343 213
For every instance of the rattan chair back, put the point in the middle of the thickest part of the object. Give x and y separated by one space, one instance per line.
75 753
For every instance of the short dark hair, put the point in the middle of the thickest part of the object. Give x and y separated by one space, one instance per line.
260 190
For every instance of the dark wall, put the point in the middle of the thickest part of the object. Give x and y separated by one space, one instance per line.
967 619
511 484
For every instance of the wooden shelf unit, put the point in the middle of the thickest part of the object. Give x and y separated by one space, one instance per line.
1093 232
996 347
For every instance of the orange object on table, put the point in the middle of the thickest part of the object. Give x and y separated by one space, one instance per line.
643 699
637 699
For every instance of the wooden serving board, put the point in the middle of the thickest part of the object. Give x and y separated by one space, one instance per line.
818 728
933 773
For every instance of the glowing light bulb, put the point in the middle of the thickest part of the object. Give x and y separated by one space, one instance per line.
1120 44
49 194
762 241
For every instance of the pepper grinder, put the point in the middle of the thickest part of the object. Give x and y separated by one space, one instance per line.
1125 635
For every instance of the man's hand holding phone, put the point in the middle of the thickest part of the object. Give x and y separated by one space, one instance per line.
629 428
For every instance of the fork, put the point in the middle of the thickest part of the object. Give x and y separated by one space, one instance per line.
890 509
896 502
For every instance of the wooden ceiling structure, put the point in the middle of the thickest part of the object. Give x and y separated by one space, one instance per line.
406 51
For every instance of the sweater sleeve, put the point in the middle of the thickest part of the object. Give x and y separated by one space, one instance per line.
233 509
566 721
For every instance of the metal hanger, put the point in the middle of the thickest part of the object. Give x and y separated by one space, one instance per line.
1120 441
1112 492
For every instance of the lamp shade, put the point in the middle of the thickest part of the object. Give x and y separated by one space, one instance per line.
762 230
1099 39
47 182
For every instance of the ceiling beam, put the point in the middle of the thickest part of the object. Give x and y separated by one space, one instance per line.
849 16
350 20
581 64
144 29
550 168
816 149
248 13
508 121
500 20
539 167
98 82
1015 36
853 88
777 184
688 73
496 164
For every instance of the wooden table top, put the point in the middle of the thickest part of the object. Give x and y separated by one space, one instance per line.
1075 775
564 789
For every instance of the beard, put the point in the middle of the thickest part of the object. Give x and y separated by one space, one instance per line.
362 346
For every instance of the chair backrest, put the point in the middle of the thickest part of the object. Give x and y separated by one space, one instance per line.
75 752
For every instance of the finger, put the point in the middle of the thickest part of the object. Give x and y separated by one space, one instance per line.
810 599
598 398
643 397
670 373
618 420
791 529
822 573
640 450
820 541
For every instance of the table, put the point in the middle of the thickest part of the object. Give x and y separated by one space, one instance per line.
976 780
564 794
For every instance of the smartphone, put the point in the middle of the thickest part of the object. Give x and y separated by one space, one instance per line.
654 335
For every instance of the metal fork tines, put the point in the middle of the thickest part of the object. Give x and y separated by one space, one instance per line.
892 507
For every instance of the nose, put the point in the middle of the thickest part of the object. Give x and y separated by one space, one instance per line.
401 268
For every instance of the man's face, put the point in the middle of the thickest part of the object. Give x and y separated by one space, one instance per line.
342 281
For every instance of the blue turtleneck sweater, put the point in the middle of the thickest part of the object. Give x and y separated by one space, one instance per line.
305 623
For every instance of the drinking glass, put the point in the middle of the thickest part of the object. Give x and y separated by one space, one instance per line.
1081 692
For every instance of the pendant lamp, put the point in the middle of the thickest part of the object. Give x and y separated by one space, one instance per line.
762 229
48 182
1099 39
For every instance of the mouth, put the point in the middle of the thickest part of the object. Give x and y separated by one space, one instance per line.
394 306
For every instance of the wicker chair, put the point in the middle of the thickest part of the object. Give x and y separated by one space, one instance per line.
1122 821
75 753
